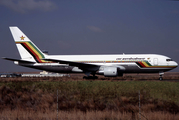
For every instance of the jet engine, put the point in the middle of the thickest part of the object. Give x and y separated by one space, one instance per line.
110 71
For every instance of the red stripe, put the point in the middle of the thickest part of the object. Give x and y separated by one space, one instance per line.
36 56
142 64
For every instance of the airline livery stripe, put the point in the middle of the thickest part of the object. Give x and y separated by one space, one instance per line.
148 63
40 54
33 51
145 64
142 64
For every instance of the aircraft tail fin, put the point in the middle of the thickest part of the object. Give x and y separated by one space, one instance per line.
27 49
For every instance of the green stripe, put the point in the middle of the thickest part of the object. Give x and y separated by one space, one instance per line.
36 49
148 63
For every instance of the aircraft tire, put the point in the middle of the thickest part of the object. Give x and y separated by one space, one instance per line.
90 77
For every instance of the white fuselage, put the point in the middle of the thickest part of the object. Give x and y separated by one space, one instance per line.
127 63
107 65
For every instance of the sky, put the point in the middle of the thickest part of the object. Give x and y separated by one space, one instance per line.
76 27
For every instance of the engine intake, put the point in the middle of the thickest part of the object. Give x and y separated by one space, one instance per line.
110 72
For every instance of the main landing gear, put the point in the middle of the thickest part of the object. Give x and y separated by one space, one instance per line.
90 77
161 73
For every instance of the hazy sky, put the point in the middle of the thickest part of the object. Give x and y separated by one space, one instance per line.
91 27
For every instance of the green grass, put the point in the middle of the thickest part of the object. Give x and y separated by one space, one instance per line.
167 91
90 95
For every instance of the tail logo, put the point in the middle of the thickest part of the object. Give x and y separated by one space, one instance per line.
33 50
22 38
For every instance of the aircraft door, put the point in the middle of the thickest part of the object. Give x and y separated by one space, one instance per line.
155 61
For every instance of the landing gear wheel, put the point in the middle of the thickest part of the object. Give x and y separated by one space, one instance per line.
160 78
161 74
90 77
95 77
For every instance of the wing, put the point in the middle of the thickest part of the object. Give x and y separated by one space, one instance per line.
83 66
22 61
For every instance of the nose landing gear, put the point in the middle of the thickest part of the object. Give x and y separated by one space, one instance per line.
161 74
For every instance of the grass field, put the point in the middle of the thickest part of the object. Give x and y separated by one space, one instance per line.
82 99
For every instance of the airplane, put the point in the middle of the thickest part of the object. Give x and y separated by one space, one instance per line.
111 65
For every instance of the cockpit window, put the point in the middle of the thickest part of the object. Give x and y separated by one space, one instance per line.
169 60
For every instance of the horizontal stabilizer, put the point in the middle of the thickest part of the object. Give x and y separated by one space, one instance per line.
22 61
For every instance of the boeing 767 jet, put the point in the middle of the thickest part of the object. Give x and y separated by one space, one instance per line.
108 65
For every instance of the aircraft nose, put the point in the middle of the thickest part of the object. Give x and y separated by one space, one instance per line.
175 64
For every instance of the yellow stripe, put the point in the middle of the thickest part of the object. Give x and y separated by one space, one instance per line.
20 41
34 50
146 65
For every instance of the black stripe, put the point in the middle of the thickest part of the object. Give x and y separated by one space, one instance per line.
139 64
30 52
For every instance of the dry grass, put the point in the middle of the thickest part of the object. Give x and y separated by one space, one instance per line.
78 115
90 95
111 99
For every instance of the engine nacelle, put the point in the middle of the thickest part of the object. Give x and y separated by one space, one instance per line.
110 72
